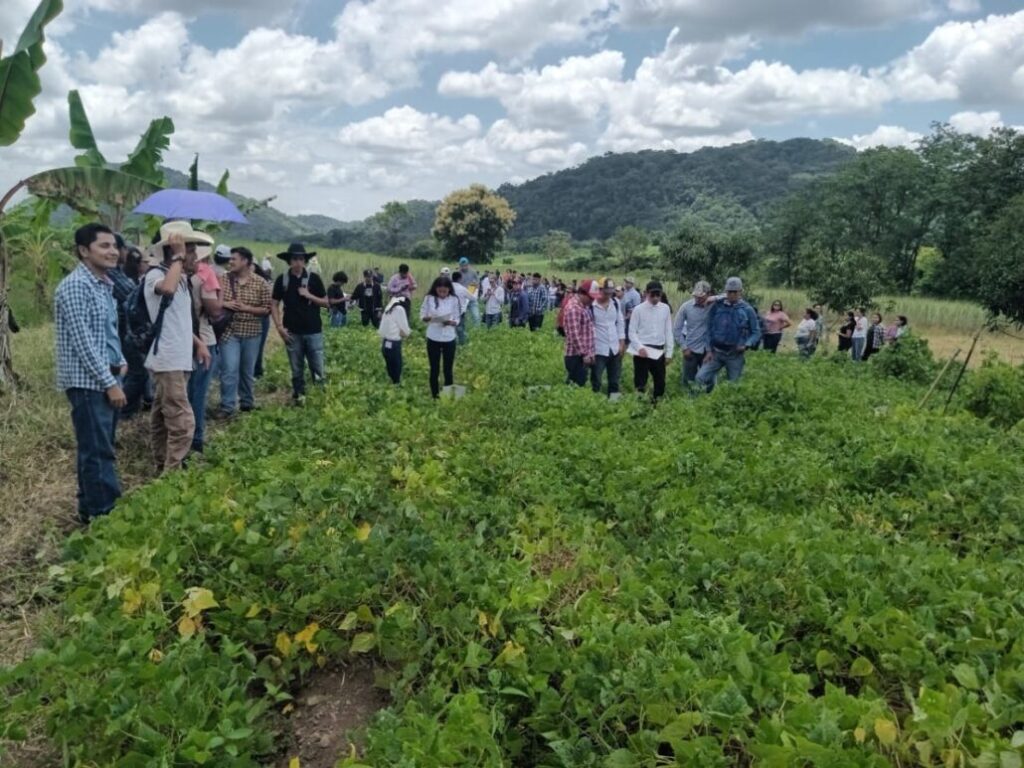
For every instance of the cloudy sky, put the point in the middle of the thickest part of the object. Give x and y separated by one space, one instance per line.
337 107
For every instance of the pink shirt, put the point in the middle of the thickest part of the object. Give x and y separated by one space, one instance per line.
774 321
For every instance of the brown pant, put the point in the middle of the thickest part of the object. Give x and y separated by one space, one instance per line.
173 422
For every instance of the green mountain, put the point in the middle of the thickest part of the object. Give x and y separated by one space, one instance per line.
727 186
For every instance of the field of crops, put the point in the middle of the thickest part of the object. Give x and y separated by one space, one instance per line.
780 574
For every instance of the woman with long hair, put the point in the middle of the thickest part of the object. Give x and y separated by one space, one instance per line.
775 322
394 326
441 311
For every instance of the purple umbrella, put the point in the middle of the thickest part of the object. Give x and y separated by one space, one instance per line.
189 204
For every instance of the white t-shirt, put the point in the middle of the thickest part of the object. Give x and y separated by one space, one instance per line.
463 295
806 328
495 302
435 307
175 342
860 330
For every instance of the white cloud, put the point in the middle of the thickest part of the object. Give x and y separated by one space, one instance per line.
407 130
702 20
975 62
977 123
883 136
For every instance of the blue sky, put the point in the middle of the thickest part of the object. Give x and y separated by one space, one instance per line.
338 107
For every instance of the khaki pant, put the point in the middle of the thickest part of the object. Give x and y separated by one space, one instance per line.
173 423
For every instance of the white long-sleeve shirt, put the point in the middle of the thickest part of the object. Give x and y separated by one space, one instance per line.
432 308
495 301
609 328
394 325
651 325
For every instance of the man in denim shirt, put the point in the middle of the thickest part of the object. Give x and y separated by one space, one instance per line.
733 326
90 364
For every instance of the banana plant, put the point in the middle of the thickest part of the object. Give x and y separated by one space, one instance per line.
19 86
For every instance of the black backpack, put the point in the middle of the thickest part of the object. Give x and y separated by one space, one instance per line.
143 332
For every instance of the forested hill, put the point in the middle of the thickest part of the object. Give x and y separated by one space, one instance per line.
728 186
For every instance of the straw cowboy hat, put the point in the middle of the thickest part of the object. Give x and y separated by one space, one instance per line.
183 228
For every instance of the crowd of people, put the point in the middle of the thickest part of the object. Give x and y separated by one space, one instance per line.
154 331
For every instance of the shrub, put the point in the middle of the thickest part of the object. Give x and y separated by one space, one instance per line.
427 250
996 392
909 358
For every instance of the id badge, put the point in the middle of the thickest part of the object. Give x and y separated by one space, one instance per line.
387 345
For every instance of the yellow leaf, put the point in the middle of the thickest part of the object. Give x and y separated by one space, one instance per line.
156 655
363 531
306 636
295 533
186 627
294 763
321 660
287 708
363 642
481 619
197 600
510 654
349 622
283 644
132 602
885 730
253 612
238 525
860 734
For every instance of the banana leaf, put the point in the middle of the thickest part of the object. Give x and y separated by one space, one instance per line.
193 174
81 135
144 161
103 193
222 185
19 73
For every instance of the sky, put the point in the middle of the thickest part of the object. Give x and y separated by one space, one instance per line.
338 107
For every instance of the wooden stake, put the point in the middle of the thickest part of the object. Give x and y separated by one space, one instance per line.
927 397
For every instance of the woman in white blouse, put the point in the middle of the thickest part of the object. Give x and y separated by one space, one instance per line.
394 326
441 311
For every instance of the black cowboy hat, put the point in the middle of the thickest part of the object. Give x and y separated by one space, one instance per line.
296 249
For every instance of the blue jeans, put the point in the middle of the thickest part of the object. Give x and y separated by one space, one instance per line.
392 351
691 366
732 361
198 388
95 422
302 348
492 320
237 371
264 332
339 319
460 331
857 350
610 363
474 312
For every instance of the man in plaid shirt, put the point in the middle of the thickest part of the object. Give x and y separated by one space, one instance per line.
90 364
578 323
537 300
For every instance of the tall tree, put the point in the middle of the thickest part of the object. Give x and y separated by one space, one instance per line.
694 252
629 245
392 219
557 246
472 222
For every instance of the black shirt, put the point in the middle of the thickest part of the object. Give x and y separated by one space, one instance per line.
336 292
301 315
368 297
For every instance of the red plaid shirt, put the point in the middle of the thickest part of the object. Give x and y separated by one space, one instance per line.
579 329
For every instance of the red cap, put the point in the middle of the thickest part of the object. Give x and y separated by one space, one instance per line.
589 286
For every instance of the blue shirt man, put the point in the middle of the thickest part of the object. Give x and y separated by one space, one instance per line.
89 366
733 326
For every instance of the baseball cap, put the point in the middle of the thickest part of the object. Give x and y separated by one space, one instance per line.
222 254
607 284
654 285
733 284
587 286
463 260
701 288
445 271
